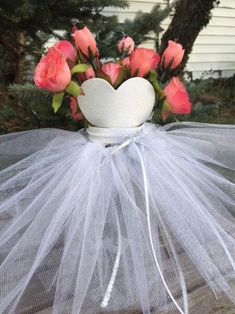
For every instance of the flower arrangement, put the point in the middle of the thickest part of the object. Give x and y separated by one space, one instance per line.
68 64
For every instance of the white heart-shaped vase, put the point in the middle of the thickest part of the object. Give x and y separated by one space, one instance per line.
128 106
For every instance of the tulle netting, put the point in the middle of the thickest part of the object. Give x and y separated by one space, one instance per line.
91 229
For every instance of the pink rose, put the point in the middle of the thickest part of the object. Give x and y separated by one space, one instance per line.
174 53
86 75
74 109
126 61
177 97
112 70
89 73
85 42
142 60
126 44
67 49
52 73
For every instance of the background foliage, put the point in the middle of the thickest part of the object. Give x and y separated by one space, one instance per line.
26 25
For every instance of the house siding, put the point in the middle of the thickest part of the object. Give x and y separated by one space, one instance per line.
214 49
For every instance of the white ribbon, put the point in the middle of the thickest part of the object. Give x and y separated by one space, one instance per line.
108 292
109 289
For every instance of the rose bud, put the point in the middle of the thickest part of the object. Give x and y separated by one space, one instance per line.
85 42
74 109
177 98
86 75
127 44
142 60
173 55
126 61
68 51
112 70
52 73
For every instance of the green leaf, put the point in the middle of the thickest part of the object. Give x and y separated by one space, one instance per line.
166 110
153 80
80 68
73 89
57 101
153 75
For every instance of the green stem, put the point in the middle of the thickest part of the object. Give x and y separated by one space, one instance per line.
86 123
158 89
73 89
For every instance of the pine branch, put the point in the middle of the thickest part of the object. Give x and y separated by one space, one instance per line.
116 3
142 28
28 93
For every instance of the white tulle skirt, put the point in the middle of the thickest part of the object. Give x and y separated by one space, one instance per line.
88 228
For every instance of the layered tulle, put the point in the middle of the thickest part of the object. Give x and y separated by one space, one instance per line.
91 229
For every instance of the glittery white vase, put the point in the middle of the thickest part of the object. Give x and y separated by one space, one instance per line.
128 106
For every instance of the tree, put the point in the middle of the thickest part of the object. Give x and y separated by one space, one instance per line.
144 27
26 24
33 109
189 19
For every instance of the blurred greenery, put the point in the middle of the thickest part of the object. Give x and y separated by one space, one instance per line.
144 27
213 99
213 102
33 110
26 25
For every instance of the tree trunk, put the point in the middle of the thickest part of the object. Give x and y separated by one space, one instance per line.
15 53
190 17
20 58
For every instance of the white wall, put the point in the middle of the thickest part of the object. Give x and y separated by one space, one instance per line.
214 48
